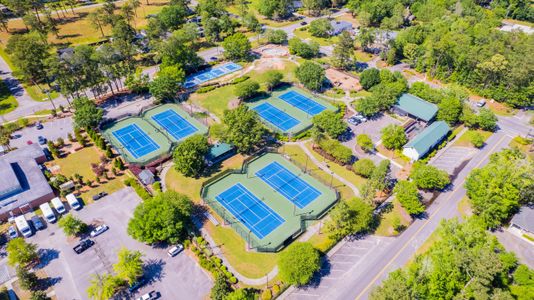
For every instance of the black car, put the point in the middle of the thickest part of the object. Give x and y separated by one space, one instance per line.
38 125
303 23
99 195
83 245
136 285
37 223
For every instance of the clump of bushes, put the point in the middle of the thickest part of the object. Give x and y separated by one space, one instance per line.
139 189
336 150
206 89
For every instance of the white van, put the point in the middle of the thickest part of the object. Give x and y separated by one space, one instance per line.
73 202
48 213
23 226
58 205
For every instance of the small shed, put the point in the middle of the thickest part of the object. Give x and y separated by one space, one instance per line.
146 177
524 220
426 140
219 152
415 107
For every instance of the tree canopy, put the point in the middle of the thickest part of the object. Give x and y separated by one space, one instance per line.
71 225
349 217
19 252
298 263
330 122
86 113
311 75
320 28
408 195
303 49
129 266
164 218
276 9
243 128
364 167
393 136
188 156
247 89
168 82
428 177
236 47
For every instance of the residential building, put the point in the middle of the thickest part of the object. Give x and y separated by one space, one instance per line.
524 221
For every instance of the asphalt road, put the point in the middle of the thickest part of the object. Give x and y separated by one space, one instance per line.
359 281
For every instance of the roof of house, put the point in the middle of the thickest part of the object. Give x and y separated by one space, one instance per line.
417 107
428 138
339 26
218 150
524 218
145 174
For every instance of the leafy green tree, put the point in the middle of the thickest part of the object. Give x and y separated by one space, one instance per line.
428 177
251 22
21 253
129 266
71 225
523 287
137 82
343 56
450 110
172 16
86 113
29 54
164 218
243 128
365 142
180 49
366 37
369 78
303 49
393 136
103 286
221 289
476 139
189 155
330 122
240 294
314 7
236 47
276 36
298 263
364 167
39 295
487 120
27 279
273 78
168 82
338 151
349 217
472 261
320 28
247 89
495 190
408 195
311 75
276 9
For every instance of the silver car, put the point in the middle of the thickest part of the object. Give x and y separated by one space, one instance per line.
99 230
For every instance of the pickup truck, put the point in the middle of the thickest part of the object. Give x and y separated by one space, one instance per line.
83 245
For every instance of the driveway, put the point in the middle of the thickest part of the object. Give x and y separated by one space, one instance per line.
175 278
52 130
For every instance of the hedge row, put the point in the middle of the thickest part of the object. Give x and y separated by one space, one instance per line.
139 189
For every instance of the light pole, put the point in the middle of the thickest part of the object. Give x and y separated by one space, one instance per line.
331 179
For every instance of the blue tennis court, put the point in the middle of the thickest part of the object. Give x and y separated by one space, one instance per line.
247 208
288 184
210 74
135 140
175 124
302 102
275 116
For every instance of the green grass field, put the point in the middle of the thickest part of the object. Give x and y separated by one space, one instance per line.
304 34
79 163
465 139
7 100
388 219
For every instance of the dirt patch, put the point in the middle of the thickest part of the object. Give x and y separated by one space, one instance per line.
264 65
272 51
343 80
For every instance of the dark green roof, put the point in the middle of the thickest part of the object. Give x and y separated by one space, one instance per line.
429 137
417 107
218 150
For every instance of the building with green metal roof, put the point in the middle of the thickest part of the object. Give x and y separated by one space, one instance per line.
426 140
219 152
415 107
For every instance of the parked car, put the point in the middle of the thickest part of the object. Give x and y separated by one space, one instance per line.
360 117
37 223
99 230
481 103
353 121
149 296
99 195
303 23
174 250
136 285
39 125
83 245
12 232
41 139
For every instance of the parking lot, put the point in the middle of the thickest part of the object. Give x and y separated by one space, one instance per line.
52 130
172 277
372 127
452 158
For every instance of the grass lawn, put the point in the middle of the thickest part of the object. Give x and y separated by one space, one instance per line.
109 187
321 241
357 180
465 139
303 34
299 156
501 109
334 94
7 100
79 162
191 186
396 155
362 56
361 93
253 7
217 101
464 207
387 220
523 148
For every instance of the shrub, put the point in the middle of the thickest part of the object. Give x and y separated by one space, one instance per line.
365 142
276 289
337 150
233 280
266 295
320 28
157 186
140 190
429 177
246 89
364 167
276 36
206 89
240 79
477 139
